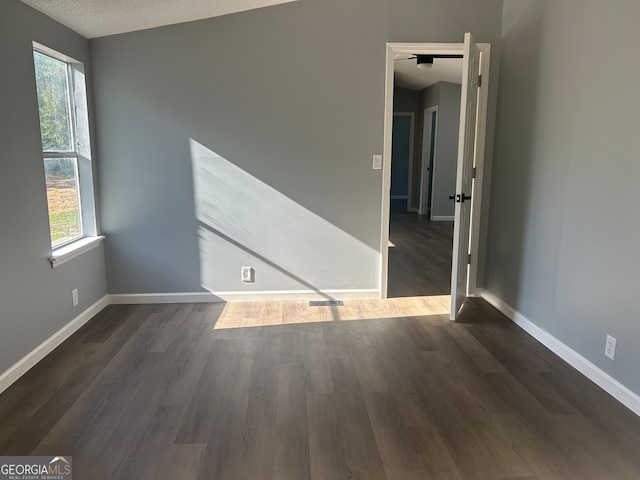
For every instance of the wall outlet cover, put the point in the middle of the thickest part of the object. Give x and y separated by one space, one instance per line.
248 275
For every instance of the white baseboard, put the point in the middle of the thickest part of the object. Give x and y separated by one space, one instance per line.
442 218
605 381
609 384
46 347
208 297
32 358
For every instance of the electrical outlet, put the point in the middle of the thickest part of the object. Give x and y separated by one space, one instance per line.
74 297
248 275
610 347
377 162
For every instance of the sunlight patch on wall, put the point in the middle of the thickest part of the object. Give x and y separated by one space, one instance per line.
243 222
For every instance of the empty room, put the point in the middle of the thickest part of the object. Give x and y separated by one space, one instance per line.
205 273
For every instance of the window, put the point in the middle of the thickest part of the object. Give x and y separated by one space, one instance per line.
66 149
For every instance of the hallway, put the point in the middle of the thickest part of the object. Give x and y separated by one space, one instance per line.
419 256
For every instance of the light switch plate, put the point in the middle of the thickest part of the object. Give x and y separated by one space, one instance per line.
377 162
610 347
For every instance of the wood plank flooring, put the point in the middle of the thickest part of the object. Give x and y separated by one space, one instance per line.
372 390
420 258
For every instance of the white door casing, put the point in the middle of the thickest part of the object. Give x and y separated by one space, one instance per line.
464 174
394 49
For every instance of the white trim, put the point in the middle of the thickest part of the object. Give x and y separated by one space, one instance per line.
21 367
46 347
71 250
443 218
53 53
81 140
386 171
426 48
209 297
412 49
628 398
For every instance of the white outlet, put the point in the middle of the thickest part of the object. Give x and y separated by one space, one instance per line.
74 297
377 162
610 347
248 275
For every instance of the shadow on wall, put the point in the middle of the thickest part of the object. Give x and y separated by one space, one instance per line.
240 221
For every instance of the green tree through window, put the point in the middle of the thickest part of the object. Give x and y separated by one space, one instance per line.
55 105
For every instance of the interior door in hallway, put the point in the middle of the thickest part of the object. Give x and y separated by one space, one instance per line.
401 160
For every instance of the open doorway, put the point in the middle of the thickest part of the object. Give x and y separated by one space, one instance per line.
421 233
432 208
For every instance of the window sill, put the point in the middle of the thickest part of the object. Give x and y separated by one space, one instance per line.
64 254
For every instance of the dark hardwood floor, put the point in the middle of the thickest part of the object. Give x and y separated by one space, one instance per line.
420 258
381 389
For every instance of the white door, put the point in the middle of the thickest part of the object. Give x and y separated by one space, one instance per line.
464 178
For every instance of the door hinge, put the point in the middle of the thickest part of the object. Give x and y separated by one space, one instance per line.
469 259
479 81
473 172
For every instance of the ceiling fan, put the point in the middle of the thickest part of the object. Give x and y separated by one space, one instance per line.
426 61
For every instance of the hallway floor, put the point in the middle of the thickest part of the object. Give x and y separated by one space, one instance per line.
420 258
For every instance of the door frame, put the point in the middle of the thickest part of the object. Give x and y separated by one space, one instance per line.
426 187
393 49
412 139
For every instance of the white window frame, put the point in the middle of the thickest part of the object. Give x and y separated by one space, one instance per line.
81 141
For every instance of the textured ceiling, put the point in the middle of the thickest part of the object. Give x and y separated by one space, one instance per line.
97 18
408 75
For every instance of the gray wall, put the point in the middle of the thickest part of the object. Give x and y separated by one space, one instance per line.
289 98
405 100
564 231
35 301
447 97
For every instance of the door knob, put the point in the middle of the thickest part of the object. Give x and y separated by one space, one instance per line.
460 198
